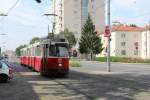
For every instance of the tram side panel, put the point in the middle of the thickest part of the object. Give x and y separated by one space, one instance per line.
33 62
27 61
38 63
33 57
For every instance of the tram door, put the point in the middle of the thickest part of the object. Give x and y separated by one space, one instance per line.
46 50
45 57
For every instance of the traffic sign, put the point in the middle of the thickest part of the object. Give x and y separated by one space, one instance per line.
107 32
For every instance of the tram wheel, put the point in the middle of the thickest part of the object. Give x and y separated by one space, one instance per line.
42 72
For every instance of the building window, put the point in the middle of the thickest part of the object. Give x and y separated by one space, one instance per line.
75 12
76 5
123 35
135 35
76 25
123 43
136 44
84 11
136 52
92 12
75 32
92 6
60 4
145 43
136 48
123 52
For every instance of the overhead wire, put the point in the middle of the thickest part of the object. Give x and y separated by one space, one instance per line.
10 9
17 1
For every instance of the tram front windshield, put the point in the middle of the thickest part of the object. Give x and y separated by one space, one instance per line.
58 50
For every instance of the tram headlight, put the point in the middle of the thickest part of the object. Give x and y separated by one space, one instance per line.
60 65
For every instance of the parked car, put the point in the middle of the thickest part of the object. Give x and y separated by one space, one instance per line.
6 73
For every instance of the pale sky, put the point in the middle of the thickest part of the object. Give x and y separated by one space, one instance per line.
25 21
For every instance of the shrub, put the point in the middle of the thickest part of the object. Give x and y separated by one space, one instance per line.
74 63
123 59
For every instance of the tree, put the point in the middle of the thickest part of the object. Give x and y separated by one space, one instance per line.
17 51
70 37
35 39
89 42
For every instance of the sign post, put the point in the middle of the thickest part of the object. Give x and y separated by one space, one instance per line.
108 34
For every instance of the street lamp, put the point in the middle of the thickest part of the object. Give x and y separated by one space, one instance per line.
38 1
3 34
3 42
54 23
2 14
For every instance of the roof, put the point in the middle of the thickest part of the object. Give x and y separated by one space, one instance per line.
126 28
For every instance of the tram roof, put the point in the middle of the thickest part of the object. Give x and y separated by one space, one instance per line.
55 39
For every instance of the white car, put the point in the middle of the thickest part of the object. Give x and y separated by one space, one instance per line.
6 73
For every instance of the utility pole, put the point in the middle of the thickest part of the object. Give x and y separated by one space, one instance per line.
54 16
149 40
54 22
108 45
54 12
48 29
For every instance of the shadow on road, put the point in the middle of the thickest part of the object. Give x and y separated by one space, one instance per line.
17 89
87 86
80 86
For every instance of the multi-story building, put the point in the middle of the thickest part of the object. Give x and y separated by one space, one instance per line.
72 14
126 41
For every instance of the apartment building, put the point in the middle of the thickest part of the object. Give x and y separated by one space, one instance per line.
126 41
72 14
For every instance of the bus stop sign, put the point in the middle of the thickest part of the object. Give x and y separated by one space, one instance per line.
107 32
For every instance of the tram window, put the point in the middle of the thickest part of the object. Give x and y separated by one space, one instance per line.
63 51
58 50
46 45
37 51
52 50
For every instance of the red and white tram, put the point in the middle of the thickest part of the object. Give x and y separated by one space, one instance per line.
50 56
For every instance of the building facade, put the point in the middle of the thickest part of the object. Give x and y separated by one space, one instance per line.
146 43
126 41
72 14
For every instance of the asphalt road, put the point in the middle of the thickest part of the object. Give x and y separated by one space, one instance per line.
89 82
116 68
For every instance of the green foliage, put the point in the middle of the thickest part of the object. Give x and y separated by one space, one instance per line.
89 43
17 51
123 59
73 63
70 37
35 39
